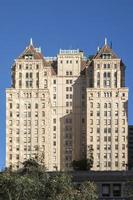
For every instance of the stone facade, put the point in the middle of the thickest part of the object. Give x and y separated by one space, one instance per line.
60 107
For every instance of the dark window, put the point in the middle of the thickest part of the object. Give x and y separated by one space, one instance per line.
116 190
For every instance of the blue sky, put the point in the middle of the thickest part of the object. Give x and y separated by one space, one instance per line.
55 24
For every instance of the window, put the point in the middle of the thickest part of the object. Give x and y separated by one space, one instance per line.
54 120
115 79
105 130
105 113
37 66
105 138
36 122
105 190
107 79
105 105
91 130
116 190
123 130
123 155
98 66
109 105
91 138
45 73
109 164
36 114
105 121
29 114
116 130
109 121
105 147
54 96
123 138
116 121
91 113
109 130
98 105
116 113
45 83
54 81
20 66
10 114
98 130
116 105
116 155
123 113
43 114
91 121
17 105
98 113
36 106
109 113
98 139
98 147
54 128
98 79
98 121
116 138
115 66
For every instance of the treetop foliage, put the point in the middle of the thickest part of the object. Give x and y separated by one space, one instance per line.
32 182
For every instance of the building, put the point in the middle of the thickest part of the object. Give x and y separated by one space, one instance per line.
130 147
59 108
111 185
107 104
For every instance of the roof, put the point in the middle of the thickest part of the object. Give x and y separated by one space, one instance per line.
106 49
31 51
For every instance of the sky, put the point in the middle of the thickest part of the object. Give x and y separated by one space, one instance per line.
65 24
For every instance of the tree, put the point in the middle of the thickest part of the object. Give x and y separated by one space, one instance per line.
32 182
129 189
88 191
86 163
59 187
27 183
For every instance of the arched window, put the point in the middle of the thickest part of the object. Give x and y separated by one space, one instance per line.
105 105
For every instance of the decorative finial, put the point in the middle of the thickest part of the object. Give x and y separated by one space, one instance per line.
31 42
98 48
105 42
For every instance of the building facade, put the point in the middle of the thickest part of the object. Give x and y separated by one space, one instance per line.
130 147
58 108
111 185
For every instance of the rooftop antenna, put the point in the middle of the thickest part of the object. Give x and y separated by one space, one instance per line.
31 42
105 41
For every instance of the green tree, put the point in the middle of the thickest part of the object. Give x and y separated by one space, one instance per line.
59 187
28 183
129 190
86 163
88 191
31 182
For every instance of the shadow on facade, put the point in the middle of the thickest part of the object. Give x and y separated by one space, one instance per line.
73 124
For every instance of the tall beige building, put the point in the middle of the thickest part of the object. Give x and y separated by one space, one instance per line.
60 107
